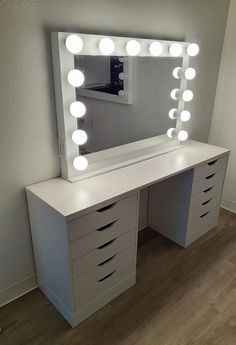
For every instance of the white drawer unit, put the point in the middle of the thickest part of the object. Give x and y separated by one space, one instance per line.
191 201
84 262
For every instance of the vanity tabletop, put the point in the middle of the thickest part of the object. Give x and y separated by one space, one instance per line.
85 195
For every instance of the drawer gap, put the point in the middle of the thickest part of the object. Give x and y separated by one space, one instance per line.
105 208
212 162
107 260
107 276
106 244
204 214
210 176
208 189
106 226
206 202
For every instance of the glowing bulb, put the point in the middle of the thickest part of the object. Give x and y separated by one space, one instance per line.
182 135
193 49
75 77
133 47
77 109
106 46
156 48
190 73
80 163
171 132
79 137
74 44
175 49
177 72
173 113
187 95
185 116
175 93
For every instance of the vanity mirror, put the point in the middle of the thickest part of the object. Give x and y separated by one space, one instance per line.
119 100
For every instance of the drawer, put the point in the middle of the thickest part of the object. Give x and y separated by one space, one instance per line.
103 236
210 168
108 213
201 225
103 269
104 284
88 261
208 182
197 208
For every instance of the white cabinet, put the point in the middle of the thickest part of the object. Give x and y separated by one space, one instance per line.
185 207
84 262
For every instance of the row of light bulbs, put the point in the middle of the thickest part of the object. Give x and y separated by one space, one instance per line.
106 46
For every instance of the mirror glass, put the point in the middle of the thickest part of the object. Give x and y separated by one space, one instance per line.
110 123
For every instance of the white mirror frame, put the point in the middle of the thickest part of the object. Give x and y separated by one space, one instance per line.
99 162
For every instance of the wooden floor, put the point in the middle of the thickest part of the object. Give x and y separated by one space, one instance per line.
182 297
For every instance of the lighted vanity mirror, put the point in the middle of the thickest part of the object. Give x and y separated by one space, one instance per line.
119 100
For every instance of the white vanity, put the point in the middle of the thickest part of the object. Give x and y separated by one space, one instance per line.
85 233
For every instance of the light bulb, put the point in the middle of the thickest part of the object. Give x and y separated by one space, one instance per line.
80 163
190 73
175 49
187 95
74 44
133 47
177 73
121 76
77 109
121 93
171 133
182 135
79 137
175 93
106 46
173 113
156 48
193 49
185 116
75 77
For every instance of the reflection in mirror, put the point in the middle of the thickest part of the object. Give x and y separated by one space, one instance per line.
110 124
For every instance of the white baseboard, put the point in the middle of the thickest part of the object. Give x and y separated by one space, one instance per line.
229 205
17 290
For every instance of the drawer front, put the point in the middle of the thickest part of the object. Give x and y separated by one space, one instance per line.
210 168
103 236
103 285
96 257
201 225
197 209
103 269
208 182
110 212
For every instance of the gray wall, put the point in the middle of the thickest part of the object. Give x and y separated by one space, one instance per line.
28 148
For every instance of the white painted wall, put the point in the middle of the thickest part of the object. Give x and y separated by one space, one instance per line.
28 145
224 117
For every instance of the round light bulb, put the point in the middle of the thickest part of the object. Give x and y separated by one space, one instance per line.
187 95
177 72
193 49
156 48
121 93
175 94
80 163
171 132
106 46
75 78
185 115
121 76
133 47
182 135
190 73
175 49
173 113
77 109
79 137
74 44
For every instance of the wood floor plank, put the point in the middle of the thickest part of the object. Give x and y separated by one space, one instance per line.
182 297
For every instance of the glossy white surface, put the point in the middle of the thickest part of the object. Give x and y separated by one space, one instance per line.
69 199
